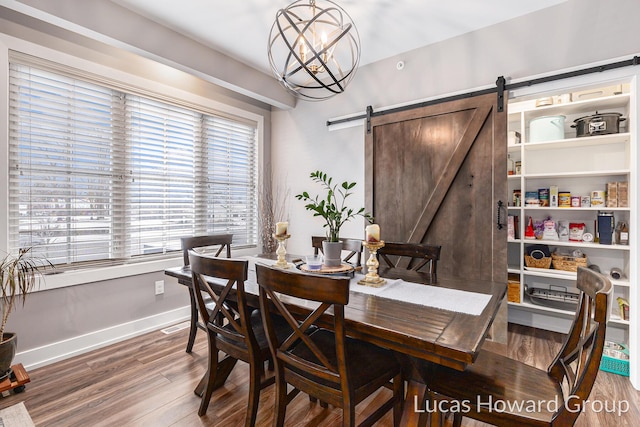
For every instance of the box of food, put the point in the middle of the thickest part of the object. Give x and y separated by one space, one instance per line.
612 194
598 199
531 198
553 196
596 93
623 194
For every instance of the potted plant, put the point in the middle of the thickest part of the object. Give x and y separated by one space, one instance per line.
333 210
18 275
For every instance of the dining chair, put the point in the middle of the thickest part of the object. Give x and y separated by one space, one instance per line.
323 363
498 390
237 332
216 244
353 247
411 256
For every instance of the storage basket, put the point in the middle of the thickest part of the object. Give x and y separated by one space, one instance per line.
513 288
615 359
530 261
568 263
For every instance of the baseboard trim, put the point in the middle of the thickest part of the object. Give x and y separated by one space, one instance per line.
61 350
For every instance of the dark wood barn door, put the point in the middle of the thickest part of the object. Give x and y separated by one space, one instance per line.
435 175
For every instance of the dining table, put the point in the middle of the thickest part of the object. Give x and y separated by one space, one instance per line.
422 317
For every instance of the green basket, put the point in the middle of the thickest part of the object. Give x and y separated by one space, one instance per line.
615 358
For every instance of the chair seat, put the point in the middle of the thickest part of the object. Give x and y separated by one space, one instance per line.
365 362
495 378
282 329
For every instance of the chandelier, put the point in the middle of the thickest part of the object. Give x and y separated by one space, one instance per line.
314 49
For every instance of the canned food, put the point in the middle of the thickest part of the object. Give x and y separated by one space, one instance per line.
564 199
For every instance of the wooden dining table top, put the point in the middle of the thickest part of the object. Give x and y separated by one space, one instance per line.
445 337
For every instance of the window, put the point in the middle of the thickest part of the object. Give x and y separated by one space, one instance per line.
100 175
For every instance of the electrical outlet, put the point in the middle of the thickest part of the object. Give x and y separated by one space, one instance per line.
159 287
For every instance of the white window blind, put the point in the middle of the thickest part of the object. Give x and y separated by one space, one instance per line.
100 175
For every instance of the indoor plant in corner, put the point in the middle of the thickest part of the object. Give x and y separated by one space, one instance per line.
335 213
19 275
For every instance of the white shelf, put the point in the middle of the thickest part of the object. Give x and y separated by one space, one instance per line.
563 275
535 307
588 106
542 308
585 141
618 320
585 174
576 244
547 208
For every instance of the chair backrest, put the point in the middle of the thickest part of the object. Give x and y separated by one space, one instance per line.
353 246
331 293
411 256
232 274
205 241
577 364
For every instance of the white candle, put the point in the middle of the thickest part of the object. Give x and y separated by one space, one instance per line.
372 233
281 228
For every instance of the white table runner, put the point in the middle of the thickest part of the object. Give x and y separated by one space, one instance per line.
415 293
430 296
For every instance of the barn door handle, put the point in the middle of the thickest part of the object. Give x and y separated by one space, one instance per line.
498 213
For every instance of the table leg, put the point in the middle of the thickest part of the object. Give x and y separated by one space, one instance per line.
194 320
414 413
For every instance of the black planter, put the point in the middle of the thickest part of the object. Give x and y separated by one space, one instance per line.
7 353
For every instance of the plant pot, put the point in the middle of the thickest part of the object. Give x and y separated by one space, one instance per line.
332 253
7 353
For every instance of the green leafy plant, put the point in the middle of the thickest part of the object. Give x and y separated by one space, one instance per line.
19 275
332 208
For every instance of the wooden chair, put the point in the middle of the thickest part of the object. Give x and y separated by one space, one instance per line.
217 243
418 254
325 364
238 333
352 246
495 378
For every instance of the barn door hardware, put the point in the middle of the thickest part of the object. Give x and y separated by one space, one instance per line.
500 207
500 84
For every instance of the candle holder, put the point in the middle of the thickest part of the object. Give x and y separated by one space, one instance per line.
372 279
281 251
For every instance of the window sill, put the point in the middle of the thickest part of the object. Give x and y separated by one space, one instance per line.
80 277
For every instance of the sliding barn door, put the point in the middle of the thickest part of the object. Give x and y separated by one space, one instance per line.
435 175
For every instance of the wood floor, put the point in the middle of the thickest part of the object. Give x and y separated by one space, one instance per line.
149 381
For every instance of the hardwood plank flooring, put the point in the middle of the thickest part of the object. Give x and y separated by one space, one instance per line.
149 381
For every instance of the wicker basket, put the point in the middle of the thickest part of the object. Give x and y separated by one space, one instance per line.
544 262
513 288
568 263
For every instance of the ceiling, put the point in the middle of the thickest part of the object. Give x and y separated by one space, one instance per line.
240 28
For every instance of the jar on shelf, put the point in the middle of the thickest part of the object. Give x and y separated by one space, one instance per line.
622 233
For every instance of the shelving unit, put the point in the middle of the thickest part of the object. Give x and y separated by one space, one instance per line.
580 166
